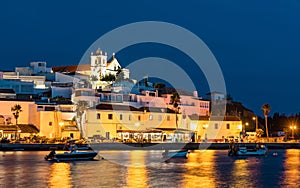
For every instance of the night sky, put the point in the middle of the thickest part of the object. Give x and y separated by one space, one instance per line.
256 43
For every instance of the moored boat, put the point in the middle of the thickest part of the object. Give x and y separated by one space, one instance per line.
238 150
175 154
73 154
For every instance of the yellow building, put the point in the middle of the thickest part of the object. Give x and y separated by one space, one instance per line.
57 121
52 120
127 123
215 129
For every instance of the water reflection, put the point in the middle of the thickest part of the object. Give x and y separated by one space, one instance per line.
136 170
210 168
200 169
291 176
60 175
241 173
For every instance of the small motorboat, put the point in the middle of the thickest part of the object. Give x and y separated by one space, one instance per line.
175 154
259 150
71 155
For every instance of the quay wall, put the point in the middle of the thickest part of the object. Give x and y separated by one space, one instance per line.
141 146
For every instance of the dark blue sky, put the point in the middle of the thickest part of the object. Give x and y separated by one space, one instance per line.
256 42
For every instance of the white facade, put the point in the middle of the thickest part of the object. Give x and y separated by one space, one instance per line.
39 67
98 64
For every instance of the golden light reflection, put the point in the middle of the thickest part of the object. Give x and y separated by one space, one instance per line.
200 169
136 171
240 173
291 175
60 175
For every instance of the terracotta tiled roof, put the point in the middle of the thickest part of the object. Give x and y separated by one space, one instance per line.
225 118
196 117
8 127
72 68
28 128
25 128
105 106
214 118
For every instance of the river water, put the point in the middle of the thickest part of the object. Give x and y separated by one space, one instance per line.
209 168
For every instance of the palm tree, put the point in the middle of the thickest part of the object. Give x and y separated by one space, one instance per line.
266 108
16 111
175 99
81 106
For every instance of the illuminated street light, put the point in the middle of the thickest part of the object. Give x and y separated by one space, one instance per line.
246 124
256 123
293 127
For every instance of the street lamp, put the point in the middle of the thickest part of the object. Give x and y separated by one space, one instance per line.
246 124
256 123
293 127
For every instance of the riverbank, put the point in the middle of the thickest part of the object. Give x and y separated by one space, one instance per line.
141 146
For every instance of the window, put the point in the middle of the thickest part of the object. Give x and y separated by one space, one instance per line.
168 118
50 123
110 116
150 117
49 108
228 126
216 126
159 118
121 117
129 117
98 116
139 118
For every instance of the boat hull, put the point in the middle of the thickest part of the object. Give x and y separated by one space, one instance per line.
176 154
252 153
73 156
244 151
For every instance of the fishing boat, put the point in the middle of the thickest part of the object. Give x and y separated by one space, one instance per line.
175 154
243 150
73 154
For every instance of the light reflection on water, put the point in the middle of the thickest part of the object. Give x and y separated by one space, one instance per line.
291 177
201 169
60 175
208 168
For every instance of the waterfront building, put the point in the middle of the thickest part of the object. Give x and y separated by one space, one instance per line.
215 129
57 121
15 132
51 120
127 123
28 116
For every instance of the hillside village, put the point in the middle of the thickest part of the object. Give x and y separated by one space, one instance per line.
99 102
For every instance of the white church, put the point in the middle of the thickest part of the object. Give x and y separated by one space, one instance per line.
100 67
